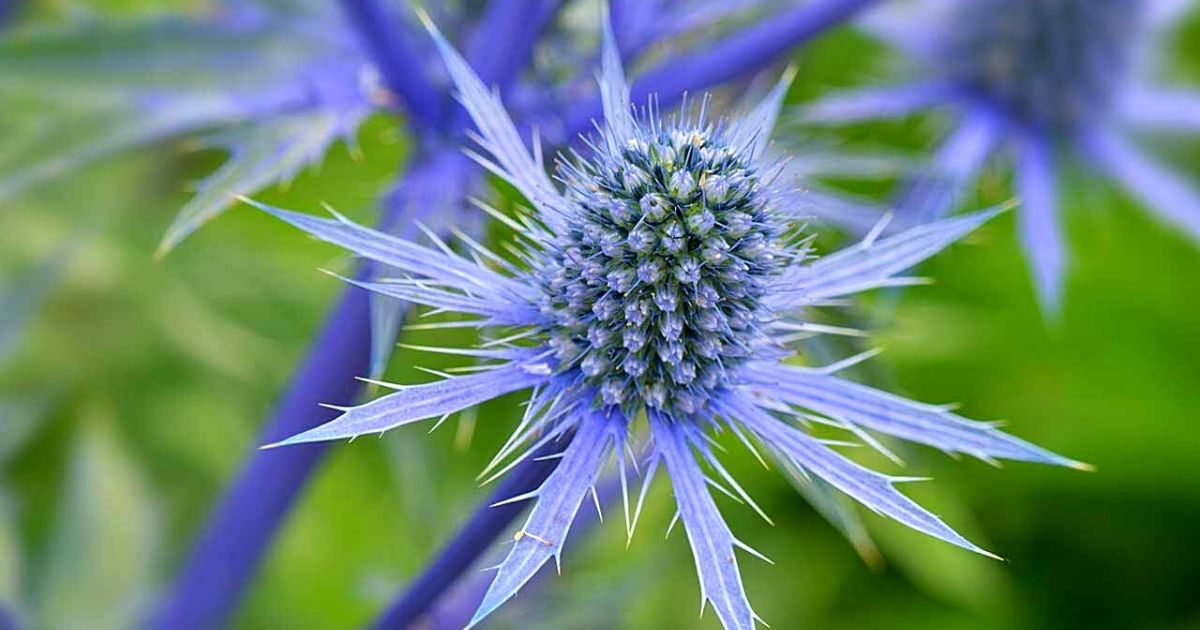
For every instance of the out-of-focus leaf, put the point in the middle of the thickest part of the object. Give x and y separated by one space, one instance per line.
244 45
21 299
207 338
99 562
19 421
71 140
10 556
261 154
111 86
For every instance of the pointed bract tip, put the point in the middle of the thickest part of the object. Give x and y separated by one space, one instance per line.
991 213
789 74
870 555
275 212
1081 466
427 22
379 383
1054 459
984 552
334 213
163 249
909 479
336 275
486 607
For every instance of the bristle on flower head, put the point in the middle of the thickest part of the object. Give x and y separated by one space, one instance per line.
654 288
1054 61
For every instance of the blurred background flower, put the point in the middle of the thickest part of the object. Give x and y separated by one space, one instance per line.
1030 77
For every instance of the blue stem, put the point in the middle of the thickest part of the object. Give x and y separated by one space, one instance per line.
8 10
735 56
505 35
8 618
633 24
503 43
397 60
465 549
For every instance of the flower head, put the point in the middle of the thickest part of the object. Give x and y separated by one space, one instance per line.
1036 74
663 282
1053 61
623 289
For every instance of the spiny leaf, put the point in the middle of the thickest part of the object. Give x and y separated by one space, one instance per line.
102 554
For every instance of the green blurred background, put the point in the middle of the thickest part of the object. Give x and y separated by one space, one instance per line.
135 389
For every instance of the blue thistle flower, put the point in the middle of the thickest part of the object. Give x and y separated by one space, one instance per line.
1037 74
662 281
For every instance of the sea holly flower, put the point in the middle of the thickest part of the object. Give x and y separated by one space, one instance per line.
662 281
1036 75
197 84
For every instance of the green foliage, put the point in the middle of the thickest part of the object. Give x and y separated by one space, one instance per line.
161 372
98 567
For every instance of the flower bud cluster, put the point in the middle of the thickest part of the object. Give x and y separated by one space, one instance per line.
655 287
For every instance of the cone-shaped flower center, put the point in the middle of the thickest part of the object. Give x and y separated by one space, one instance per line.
1052 61
655 286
